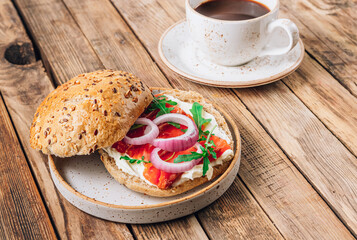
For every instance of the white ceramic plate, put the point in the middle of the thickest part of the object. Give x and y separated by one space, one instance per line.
85 183
180 54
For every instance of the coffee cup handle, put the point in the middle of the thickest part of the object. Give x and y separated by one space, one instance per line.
292 31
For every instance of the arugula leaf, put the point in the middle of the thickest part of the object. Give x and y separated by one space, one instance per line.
196 111
188 157
206 151
160 103
133 160
206 162
212 152
135 126
176 125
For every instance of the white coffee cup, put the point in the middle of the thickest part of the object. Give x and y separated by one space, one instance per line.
235 42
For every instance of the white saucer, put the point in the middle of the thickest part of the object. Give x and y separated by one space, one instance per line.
179 53
85 183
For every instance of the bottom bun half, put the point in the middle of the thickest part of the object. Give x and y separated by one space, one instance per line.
137 184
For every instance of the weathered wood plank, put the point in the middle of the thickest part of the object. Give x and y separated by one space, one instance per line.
55 43
327 99
219 221
323 160
74 54
22 212
180 228
263 222
118 47
23 88
328 29
137 12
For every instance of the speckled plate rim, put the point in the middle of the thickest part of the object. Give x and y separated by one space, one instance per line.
228 84
236 157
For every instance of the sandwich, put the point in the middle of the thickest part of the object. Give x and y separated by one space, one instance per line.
161 142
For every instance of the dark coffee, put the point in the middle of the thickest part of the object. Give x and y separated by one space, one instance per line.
232 9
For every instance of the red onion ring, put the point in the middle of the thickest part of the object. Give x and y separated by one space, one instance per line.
151 132
180 143
168 167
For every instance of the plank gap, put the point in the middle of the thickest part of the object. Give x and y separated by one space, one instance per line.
299 169
30 170
131 230
30 167
143 45
47 66
202 226
330 72
112 227
323 123
251 193
36 50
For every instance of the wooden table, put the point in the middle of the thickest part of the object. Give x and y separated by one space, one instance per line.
298 176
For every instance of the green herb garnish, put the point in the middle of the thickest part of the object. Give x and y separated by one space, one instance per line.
196 111
206 151
160 103
133 160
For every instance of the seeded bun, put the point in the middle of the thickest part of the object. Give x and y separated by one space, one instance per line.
137 184
91 111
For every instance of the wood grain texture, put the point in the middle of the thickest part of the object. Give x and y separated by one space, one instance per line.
182 228
74 55
135 48
219 221
333 169
22 212
328 29
113 41
23 88
318 154
327 99
137 12
75 64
